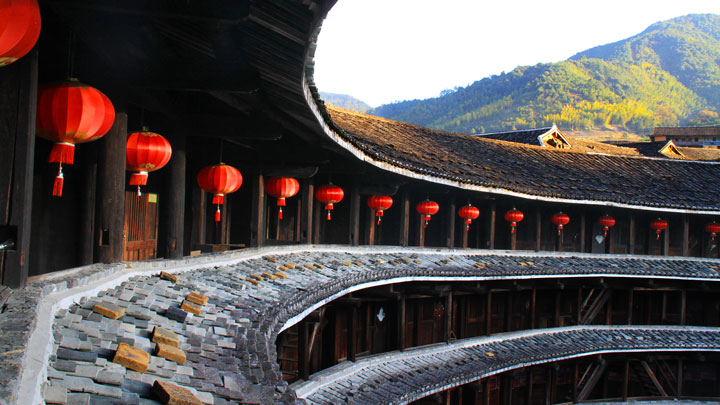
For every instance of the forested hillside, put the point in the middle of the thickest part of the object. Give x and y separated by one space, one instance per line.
667 75
345 101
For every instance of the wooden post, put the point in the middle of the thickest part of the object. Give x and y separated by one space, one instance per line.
257 215
405 219
306 230
538 229
488 314
557 309
532 308
680 378
666 241
491 231
110 208
626 380
630 306
199 200
448 316
175 198
318 221
18 106
354 216
402 320
372 219
685 249
631 235
421 232
683 307
450 239
583 232
303 350
352 333
86 243
513 240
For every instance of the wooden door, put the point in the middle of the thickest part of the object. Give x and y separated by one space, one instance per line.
141 223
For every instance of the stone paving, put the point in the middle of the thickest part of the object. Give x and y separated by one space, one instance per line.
402 377
229 344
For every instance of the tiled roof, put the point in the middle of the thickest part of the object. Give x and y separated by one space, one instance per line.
526 136
686 131
531 171
229 345
398 378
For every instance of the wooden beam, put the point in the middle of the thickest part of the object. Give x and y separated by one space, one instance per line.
653 378
210 11
110 208
18 106
405 218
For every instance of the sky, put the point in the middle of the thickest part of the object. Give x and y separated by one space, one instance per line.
381 51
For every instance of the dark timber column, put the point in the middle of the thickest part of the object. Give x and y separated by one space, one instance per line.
538 229
257 216
402 320
18 104
86 245
175 197
354 216
303 350
352 332
631 235
685 249
451 225
308 191
404 218
110 217
666 241
421 232
371 227
583 232
491 231
199 201
448 316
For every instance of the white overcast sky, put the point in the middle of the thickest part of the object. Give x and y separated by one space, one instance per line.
381 51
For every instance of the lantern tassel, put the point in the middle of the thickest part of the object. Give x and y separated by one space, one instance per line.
217 214
139 193
280 214
138 179
329 215
62 152
658 234
58 183
218 199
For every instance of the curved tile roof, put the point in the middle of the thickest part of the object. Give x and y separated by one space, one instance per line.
252 297
403 377
531 172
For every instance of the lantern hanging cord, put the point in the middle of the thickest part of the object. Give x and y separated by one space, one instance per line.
71 55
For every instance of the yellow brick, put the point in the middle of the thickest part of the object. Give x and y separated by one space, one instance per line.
282 268
109 310
289 265
319 266
418 261
167 276
169 393
253 281
196 298
132 358
270 276
256 276
406 260
166 337
190 307
347 264
280 274
270 259
358 263
309 267
170 353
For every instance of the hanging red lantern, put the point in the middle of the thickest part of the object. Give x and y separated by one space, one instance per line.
145 152
281 188
658 225
468 212
560 219
70 113
514 216
220 179
607 222
19 29
379 203
713 228
329 194
427 209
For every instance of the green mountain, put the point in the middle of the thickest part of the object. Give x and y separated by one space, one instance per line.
667 75
345 101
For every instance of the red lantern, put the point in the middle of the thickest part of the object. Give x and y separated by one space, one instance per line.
219 179
560 220
468 212
329 195
145 152
379 203
712 228
427 209
514 216
70 113
658 225
281 188
19 29
607 222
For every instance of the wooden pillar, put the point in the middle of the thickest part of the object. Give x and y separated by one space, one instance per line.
680 378
402 321
491 231
533 305
666 241
421 232
465 232
488 314
352 333
631 234
175 201
110 208
199 201
683 307
306 227
583 232
559 241
18 105
508 312
304 350
513 240
630 306
538 229
371 223
86 245
626 380
258 231
557 309
354 230
450 239
405 218
318 221
448 316
685 248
